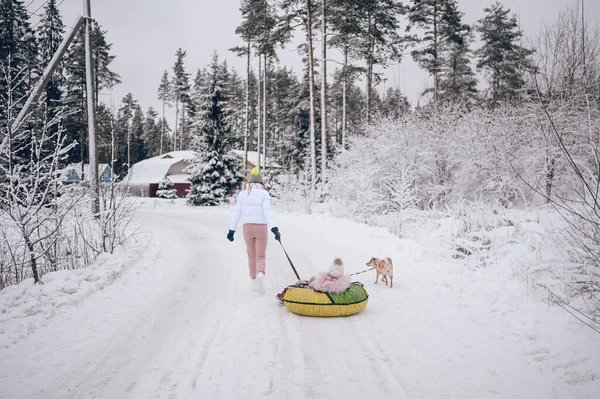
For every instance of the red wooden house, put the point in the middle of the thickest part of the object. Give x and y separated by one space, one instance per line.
144 177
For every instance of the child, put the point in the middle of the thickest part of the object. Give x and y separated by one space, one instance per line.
335 281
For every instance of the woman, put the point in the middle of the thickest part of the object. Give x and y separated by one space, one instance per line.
254 207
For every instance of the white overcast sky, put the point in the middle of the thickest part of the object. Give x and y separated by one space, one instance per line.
146 33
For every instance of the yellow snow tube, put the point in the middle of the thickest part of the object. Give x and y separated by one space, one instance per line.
308 302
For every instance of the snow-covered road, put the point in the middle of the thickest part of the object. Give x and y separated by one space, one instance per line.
182 323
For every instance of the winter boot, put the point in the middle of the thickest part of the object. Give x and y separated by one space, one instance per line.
260 283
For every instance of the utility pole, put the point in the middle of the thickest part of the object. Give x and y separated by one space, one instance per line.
91 109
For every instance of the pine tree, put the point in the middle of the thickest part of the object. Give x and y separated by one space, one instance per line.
19 70
283 93
139 151
259 28
104 76
165 189
164 95
152 134
75 85
394 104
295 136
50 35
457 82
305 13
104 127
349 107
180 87
501 56
379 41
443 32
162 125
345 18
18 59
125 136
215 174
236 93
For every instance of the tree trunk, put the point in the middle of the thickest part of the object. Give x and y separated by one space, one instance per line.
264 136
32 260
550 179
181 127
369 87
162 131
435 55
259 108
369 61
176 120
345 98
128 145
247 121
323 89
311 79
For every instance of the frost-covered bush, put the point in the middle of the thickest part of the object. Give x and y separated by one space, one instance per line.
71 242
293 193
165 189
377 176
431 159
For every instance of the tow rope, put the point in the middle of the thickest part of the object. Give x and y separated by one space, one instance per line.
296 272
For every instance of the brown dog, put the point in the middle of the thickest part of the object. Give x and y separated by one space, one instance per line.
385 268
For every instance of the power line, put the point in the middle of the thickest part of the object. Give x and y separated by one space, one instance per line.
40 21
37 9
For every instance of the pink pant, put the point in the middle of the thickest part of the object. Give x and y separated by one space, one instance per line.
255 236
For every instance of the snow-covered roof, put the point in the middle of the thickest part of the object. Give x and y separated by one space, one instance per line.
153 170
253 158
179 155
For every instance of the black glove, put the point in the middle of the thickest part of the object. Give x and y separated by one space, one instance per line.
230 235
275 231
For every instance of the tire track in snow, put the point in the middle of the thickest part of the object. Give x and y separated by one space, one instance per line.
202 333
121 359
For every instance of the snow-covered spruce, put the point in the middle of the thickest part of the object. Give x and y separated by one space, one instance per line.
214 178
165 189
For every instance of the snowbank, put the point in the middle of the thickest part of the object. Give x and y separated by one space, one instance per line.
26 307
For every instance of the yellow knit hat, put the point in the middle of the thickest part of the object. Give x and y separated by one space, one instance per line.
255 176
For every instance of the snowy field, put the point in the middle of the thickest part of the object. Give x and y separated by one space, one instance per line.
174 317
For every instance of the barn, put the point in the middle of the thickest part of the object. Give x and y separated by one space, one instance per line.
143 177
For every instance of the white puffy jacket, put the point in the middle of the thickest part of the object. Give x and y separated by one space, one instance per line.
253 207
